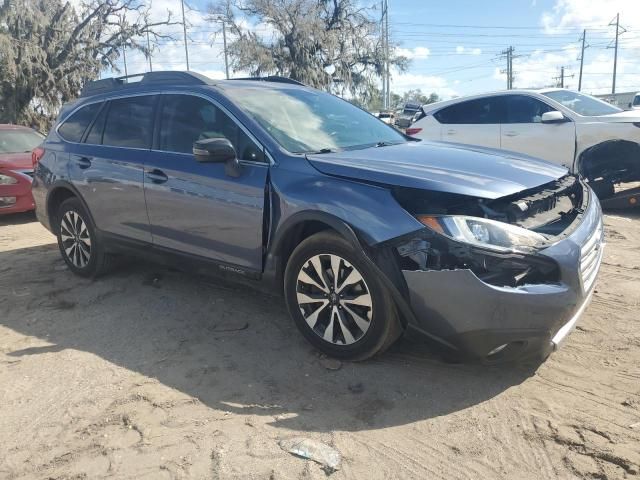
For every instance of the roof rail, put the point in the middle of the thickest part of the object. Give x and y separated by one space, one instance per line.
273 78
111 84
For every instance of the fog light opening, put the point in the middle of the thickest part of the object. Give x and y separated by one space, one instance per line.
7 201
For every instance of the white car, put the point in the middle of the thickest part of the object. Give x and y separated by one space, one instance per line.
588 136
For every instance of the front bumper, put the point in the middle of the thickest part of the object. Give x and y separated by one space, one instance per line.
20 191
482 321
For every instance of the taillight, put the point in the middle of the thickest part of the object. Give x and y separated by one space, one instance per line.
413 131
36 155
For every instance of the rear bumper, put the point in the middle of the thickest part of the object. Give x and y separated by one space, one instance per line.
482 321
20 191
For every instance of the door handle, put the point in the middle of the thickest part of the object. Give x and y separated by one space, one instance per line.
510 134
157 176
83 162
451 132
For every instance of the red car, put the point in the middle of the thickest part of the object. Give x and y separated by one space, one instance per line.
16 167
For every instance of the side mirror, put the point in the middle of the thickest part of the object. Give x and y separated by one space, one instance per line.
218 150
553 117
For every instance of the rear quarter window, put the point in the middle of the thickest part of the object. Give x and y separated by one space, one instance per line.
73 128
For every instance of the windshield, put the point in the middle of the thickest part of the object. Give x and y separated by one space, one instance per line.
585 105
19 141
305 121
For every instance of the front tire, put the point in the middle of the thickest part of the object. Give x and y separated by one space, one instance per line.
77 240
337 300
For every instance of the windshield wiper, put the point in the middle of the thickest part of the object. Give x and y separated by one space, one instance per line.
385 144
322 150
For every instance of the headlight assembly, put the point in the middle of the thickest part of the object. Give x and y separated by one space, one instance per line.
498 236
7 180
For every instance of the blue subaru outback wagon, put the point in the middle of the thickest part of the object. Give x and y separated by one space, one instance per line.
367 233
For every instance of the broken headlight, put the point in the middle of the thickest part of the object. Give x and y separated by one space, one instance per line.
483 232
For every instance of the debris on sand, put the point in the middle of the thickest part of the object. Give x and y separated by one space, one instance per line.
331 363
329 458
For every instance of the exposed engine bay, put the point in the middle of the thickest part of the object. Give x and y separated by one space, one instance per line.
549 210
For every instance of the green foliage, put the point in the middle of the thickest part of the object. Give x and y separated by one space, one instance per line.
49 49
334 45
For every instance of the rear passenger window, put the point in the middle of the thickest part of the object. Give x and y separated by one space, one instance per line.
480 111
73 128
187 118
130 122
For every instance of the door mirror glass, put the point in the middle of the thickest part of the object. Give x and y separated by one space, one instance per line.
214 150
553 117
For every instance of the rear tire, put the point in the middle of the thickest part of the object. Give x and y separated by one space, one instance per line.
337 300
77 240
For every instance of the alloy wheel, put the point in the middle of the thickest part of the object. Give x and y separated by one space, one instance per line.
334 299
76 240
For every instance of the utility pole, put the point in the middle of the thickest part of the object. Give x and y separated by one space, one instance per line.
149 49
615 55
224 41
509 71
386 16
584 36
384 53
124 55
184 29
560 78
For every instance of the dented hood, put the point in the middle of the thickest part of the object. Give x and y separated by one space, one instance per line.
441 167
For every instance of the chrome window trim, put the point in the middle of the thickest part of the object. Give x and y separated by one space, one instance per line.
168 92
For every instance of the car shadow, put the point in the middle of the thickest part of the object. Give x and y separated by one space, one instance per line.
17 218
234 349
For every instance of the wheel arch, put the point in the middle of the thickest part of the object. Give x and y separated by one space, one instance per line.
302 225
613 160
58 193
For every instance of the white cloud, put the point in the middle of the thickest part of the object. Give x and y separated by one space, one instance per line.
594 16
470 51
400 83
417 53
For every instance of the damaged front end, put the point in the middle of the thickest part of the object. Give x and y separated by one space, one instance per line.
496 279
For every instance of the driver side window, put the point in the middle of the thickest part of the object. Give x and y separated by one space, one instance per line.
185 119
525 109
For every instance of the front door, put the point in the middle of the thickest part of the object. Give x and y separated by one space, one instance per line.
523 131
195 207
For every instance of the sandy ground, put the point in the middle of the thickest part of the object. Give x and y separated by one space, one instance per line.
150 373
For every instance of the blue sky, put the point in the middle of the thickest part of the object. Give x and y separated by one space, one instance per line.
455 45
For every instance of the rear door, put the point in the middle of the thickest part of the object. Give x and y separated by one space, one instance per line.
473 122
195 207
523 131
107 164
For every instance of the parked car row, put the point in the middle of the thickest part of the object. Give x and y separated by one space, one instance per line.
16 168
365 231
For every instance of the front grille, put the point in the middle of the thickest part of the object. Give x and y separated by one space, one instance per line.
590 257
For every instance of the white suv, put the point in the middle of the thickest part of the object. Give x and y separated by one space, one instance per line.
580 132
